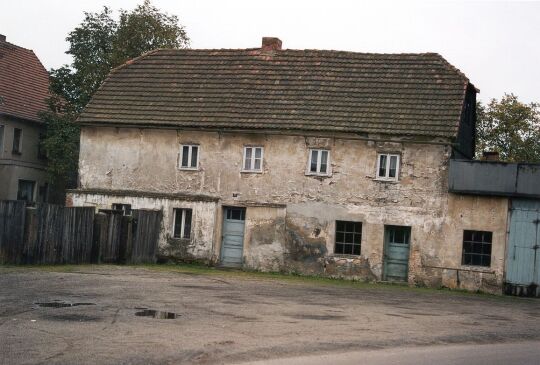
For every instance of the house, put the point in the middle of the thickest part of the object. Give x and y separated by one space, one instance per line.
24 84
317 162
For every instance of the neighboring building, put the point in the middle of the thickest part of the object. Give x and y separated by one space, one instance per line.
24 86
318 162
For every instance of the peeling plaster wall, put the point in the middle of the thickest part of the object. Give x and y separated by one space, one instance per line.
198 247
300 237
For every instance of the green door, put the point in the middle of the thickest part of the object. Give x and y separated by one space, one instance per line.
396 253
232 242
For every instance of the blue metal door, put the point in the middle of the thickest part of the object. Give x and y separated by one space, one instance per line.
232 242
522 261
396 253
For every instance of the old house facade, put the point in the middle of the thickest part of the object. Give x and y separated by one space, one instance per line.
318 162
24 86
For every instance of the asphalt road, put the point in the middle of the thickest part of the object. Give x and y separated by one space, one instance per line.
103 315
526 353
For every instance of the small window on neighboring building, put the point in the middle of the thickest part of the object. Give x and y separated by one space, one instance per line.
477 248
253 159
26 190
182 223
348 238
1 140
17 140
125 208
319 162
41 148
388 167
189 157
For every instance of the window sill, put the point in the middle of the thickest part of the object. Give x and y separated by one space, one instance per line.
188 168
251 171
317 175
386 181
481 269
345 256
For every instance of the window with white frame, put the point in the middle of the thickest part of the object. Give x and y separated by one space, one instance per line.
189 157
253 159
388 167
182 223
319 162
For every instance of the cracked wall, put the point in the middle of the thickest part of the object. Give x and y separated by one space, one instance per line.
298 236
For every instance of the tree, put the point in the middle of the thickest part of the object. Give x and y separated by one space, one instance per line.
97 45
509 127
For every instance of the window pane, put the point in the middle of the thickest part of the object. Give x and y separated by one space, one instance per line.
187 223
17 140
477 248
349 237
194 153
257 164
357 238
382 166
314 157
185 156
340 237
356 250
258 152
393 166
347 249
340 226
324 161
339 248
247 162
177 223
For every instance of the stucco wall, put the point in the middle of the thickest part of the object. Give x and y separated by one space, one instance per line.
25 166
298 235
200 244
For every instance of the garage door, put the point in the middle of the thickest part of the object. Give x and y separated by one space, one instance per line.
522 259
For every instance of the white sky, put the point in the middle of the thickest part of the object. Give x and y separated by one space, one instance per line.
496 44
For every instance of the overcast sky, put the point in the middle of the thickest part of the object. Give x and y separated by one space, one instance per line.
496 44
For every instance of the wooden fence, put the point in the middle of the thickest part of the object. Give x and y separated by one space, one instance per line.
53 234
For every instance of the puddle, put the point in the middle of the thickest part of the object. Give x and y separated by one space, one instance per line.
157 314
61 304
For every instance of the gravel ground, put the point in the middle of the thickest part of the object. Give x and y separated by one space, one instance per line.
229 317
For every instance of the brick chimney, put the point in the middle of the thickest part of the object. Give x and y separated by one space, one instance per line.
2 38
490 156
271 44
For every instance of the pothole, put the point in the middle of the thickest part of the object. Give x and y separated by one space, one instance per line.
157 314
58 304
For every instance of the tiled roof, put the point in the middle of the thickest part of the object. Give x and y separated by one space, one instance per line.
24 82
411 94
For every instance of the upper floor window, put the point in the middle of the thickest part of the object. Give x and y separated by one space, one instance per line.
17 140
253 158
182 223
476 248
42 154
319 162
1 140
189 157
388 167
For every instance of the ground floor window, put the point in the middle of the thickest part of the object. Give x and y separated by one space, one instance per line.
26 190
125 208
477 248
182 223
348 238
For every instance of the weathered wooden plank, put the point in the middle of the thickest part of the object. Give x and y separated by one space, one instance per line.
12 221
